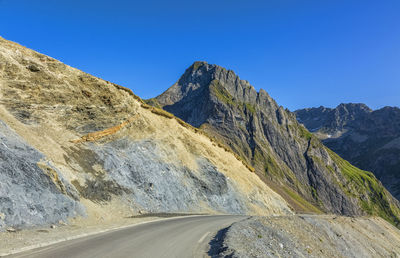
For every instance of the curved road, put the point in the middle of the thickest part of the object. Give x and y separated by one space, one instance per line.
177 237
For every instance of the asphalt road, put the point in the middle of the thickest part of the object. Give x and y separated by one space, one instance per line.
177 237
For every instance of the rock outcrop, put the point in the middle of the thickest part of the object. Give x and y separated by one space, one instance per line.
32 190
267 136
368 139
75 145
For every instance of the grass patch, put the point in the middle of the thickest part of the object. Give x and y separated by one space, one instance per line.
300 131
162 112
221 93
197 65
271 168
146 106
130 92
153 102
224 96
186 125
373 197
251 108
158 111
363 180
301 202
304 133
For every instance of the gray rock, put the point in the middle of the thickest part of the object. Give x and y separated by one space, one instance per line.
28 196
157 186
266 135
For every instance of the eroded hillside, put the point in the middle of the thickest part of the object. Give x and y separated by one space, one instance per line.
75 145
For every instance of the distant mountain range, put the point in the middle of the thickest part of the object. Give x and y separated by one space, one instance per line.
268 137
369 139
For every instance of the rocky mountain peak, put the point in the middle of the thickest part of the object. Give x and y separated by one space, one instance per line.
331 120
352 109
264 134
202 81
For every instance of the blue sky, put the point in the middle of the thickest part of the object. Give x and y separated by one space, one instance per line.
304 53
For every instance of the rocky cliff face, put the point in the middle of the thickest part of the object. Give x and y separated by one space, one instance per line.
369 139
267 136
75 145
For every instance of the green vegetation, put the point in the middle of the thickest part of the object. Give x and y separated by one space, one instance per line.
158 111
221 93
144 105
270 166
250 108
153 102
314 192
301 131
280 172
196 65
330 168
186 125
373 197
129 91
224 96
300 201
162 112
304 133
272 169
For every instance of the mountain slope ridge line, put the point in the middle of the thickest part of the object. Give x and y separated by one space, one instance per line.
268 137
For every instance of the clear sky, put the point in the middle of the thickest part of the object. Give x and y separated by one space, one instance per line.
304 53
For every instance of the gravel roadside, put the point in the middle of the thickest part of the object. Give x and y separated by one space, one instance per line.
308 236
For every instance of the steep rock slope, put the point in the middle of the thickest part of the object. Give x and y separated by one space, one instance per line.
268 137
75 145
27 188
368 139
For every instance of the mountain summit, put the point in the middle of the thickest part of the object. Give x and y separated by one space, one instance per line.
284 154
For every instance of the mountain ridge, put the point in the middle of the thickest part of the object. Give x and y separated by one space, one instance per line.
369 140
269 137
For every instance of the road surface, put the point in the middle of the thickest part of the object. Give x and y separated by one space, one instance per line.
177 237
